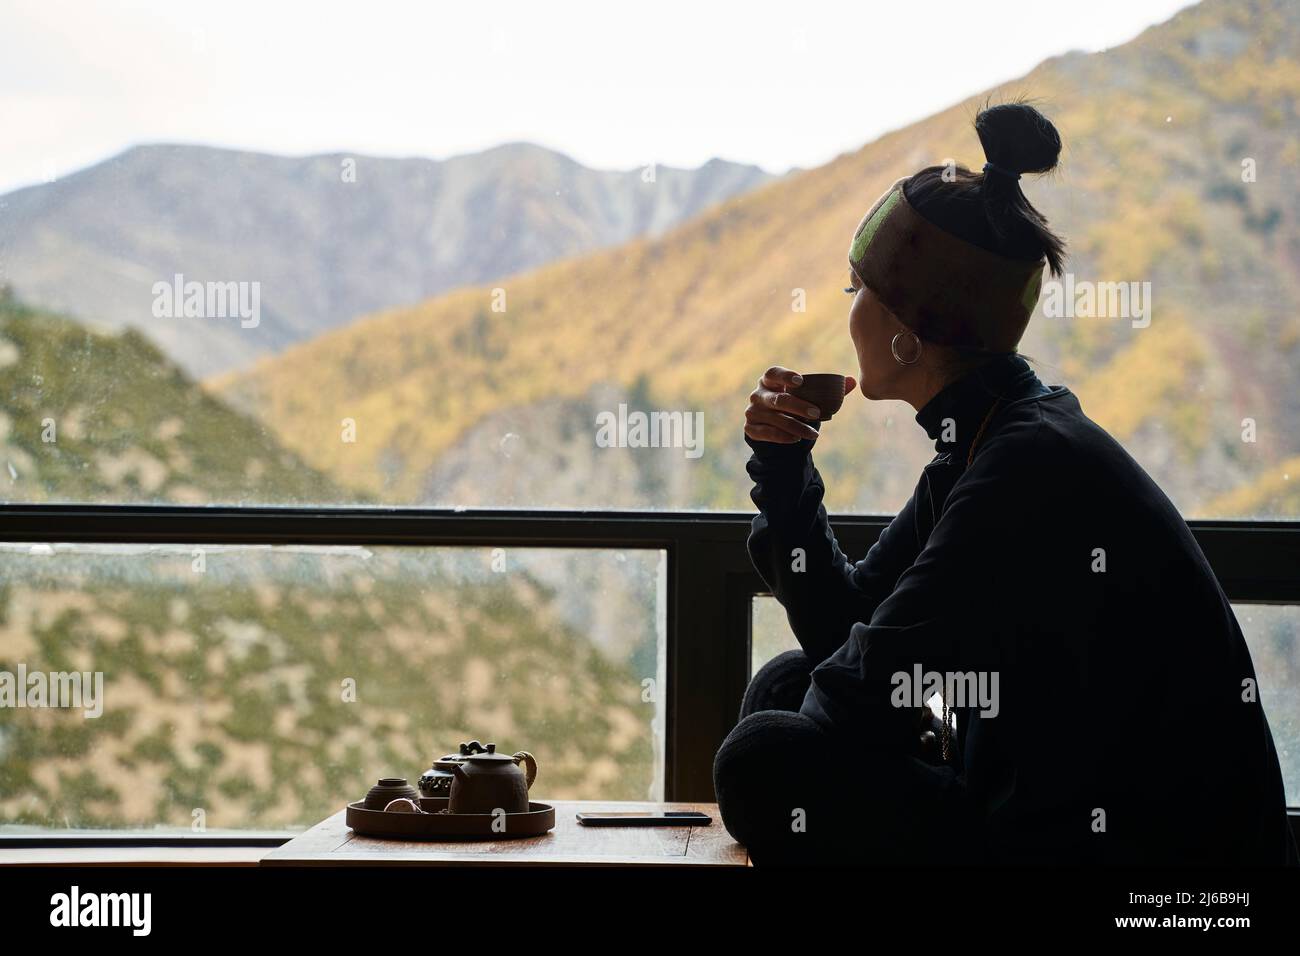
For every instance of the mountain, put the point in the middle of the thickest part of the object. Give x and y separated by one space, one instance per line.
458 404
327 237
92 417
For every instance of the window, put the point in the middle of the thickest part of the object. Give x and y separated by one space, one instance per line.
259 688
1273 634
274 289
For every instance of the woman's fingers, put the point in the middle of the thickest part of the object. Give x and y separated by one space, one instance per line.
780 378
771 409
769 433
762 417
850 383
783 402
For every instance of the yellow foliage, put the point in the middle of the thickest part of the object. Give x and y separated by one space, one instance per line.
1150 374
1275 493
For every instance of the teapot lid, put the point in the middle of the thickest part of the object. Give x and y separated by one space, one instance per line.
447 761
486 754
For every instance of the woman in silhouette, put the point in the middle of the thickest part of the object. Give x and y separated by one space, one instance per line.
1100 703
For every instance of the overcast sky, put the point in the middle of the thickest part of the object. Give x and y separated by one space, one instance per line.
613 84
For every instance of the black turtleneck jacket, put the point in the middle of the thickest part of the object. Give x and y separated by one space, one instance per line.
1128 726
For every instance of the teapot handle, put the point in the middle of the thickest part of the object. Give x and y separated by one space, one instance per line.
530 766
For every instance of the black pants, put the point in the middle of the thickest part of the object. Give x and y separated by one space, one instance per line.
793 794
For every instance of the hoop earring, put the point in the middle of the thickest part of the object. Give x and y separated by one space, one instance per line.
893 348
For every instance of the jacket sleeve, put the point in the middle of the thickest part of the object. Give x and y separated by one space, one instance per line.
794 550
950 611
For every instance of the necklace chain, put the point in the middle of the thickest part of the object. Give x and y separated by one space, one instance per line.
949 715
970 456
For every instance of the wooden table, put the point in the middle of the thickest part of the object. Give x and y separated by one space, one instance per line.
332 843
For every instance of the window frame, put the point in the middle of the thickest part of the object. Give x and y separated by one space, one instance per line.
710 587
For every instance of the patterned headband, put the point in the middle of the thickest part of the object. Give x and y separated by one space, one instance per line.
945 289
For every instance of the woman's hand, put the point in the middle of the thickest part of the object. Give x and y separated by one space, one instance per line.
774 415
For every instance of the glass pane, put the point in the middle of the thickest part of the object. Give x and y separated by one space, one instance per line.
1272 633
263 688
769 632
199 305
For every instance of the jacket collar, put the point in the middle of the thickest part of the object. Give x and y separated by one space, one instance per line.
953 416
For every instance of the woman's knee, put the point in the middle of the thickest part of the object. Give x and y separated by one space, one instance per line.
751 775
791 794
780 684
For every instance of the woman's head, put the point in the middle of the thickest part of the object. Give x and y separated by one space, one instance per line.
942 238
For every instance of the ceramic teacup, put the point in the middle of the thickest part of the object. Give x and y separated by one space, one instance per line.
823 389
387 790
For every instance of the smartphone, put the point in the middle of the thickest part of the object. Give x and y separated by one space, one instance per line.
646 818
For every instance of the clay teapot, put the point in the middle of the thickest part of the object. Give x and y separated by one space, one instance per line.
436 781
487 781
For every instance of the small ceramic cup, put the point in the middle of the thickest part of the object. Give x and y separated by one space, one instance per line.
387 790
823 389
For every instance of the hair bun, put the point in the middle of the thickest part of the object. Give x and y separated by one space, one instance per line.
1017 137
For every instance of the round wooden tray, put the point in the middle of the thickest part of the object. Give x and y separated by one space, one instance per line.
448 826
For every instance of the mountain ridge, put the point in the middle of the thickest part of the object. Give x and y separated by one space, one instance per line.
327 236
